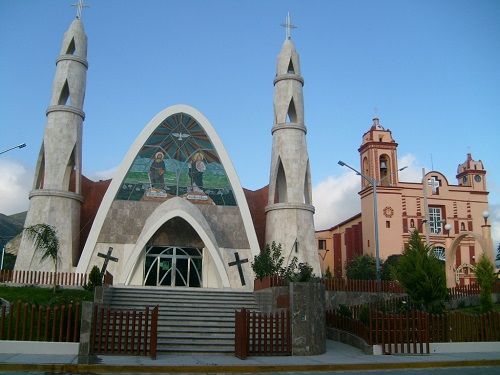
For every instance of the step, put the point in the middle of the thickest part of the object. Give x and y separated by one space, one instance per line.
190 321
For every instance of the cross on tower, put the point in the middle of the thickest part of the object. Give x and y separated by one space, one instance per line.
79 8
434 183
288 26
238 263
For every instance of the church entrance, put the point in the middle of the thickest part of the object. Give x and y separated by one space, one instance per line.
173 266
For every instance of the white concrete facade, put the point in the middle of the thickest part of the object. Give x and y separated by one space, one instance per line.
55 199
289 213
129 269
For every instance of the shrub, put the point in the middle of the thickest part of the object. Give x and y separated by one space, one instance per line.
328 273
269 262
361 268
344 310
388 267
422 275
485 275
95 279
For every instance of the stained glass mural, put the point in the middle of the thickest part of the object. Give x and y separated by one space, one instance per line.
178 159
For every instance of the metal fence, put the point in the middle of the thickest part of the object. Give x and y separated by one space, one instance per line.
42 278
130 332
26 322
262 334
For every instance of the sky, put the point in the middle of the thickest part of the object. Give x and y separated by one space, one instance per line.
430 70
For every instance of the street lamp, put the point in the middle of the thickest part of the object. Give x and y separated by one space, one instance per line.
22 145
447 228
486 215
374 184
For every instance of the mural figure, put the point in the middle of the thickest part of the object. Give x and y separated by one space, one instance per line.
157 172
178 159
197 167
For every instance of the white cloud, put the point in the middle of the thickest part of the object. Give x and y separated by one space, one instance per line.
413 172
103 175
15 184
336 198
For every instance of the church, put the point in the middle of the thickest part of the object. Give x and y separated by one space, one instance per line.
453 218
175 213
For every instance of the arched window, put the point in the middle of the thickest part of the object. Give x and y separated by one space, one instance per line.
439 252
384 170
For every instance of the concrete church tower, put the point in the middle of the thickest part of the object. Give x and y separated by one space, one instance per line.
289 213
56 196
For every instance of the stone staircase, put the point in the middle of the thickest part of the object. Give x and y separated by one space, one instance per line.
191 320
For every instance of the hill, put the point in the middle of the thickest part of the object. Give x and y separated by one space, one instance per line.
10 226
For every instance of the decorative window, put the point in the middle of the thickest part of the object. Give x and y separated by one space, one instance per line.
434 183
387 224
178 160
439 252
412 223
321 244
435 220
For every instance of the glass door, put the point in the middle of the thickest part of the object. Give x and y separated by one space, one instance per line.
173 266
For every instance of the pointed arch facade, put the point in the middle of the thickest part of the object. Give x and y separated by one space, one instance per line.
177 167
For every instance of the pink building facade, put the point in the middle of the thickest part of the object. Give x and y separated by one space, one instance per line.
430 207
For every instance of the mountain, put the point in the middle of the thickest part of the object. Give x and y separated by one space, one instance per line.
10 226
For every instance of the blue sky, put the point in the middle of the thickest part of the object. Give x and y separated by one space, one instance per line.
429 69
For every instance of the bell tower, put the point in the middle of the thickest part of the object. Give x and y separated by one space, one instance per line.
378 156
56 196
289 212
472 173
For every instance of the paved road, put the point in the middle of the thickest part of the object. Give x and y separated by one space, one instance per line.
488 370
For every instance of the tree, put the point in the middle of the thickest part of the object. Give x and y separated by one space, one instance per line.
422 275
45 241
269 262
485 276
361 268
388 267
328 273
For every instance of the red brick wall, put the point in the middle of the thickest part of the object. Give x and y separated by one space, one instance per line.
257 201
93 192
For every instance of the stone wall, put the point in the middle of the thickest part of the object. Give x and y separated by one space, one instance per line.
334 299
125 221
307 301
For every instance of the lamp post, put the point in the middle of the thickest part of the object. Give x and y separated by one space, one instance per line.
22 145
374 184
486 215
447 228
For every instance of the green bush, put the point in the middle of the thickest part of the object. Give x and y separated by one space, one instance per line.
361 268
269 262
388 267
95 279
344 310
485 275
328 273
422 275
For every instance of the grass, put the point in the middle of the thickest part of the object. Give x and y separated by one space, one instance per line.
44 296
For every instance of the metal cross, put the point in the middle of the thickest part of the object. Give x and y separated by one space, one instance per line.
238 263
79 8
107 257
288 26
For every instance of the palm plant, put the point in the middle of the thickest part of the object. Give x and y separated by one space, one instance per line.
45 240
